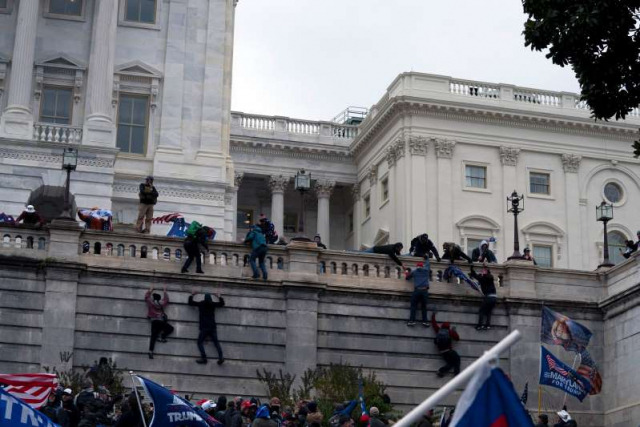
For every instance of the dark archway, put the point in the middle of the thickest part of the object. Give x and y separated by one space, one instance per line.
49 201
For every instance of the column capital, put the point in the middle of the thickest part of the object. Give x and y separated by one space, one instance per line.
571 162
324 188
418 145
278 183
372 174
237 178
509 155
444 147
395 151
355 192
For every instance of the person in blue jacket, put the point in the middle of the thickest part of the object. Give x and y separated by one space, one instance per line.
258 250
420 293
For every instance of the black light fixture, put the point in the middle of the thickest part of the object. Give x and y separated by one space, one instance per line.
513 206
69 163
302 183
604 214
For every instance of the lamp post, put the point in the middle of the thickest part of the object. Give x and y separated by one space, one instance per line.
302 183
69 162
604 213
513 206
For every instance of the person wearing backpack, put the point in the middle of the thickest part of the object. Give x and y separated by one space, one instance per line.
160 328
269 230
445 334
196 243
258 250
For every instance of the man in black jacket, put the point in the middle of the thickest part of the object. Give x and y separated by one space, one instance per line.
423 247
194 245
68 414
485 278
208 326
392 250
454 252
482 253
148 198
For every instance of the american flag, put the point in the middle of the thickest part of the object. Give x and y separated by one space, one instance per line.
554 367
33 389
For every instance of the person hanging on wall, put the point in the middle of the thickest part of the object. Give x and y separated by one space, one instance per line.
482 253
488 287
420 293
423 247
160 327
445 334
207 323
29 216
148 198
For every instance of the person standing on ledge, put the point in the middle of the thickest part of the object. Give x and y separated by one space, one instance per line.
148 198
259 250
208 327
420 293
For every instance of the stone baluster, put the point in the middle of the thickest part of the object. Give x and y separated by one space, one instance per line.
99 128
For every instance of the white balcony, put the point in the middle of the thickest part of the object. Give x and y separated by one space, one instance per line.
51 132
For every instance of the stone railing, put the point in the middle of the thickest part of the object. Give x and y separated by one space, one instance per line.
279 126
49 132
20 238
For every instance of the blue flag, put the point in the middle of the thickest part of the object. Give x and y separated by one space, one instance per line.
556 374
15 413
558 329
170 410
490 401
452 270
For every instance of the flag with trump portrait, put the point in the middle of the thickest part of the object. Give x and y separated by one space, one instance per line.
554 373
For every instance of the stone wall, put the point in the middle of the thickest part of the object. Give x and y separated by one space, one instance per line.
92 304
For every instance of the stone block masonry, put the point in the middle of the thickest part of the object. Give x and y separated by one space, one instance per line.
92 304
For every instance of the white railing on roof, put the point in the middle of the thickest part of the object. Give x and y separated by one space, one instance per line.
549 99
293 126
257 122
303 126
479 89
50 132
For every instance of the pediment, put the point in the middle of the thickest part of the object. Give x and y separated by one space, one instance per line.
139 68
479 222
63 61
543 228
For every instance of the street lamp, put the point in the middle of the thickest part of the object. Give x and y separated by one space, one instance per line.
604 213
302 183
69 162
513 206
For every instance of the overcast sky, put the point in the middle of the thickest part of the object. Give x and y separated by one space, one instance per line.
312 58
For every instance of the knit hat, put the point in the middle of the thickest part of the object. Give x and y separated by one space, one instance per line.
312 406
364 418
274 401
374 411
420 264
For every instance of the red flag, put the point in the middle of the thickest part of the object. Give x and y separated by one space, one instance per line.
33 389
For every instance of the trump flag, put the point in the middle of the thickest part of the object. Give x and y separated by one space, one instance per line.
556 374
558 329
15 413
490 401
170 410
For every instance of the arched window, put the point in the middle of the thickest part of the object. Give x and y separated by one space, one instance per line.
42 243
166 254
132 251
616 241
6 240
179 254
30 242
97 247
143 252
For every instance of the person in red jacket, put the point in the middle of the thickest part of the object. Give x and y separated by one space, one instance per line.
445 334
160 328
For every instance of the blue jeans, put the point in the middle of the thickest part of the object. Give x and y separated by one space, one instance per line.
369 251
419 296
260 253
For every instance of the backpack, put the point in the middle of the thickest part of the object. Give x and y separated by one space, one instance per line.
443 339
271 235
193 229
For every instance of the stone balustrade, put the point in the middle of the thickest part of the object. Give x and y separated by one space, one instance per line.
296 128
24 238
49 132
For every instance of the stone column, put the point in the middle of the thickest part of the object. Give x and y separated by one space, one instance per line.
418 147
323 191
237 180
571 165
17 120
99 128
357 216
444 152
509 159
277 185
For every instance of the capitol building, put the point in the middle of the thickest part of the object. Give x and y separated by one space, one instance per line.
148 93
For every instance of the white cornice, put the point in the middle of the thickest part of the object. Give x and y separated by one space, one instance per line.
306 151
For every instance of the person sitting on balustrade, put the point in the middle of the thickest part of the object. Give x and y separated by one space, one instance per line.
29 216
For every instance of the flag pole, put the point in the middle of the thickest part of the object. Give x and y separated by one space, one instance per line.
416 413
573 368
135 390
539 398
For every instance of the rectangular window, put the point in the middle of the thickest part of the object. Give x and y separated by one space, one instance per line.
350 222
244 218
132 123
140 11
367 206
384 188
471 245
65 7
4 4
543 255
290 222
476 176
539 183
56 105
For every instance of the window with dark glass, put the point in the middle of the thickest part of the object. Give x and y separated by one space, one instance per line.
244 218
56 105
476 176
617 245
539 183
543 255
385 190
367 206
613 192
66 7
472 244
140 11
4 4
290 222
132 123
